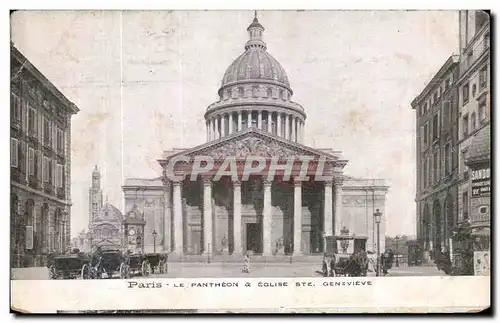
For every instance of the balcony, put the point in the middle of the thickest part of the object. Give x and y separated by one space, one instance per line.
34 182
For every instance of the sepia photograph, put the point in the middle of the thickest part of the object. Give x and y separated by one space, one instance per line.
310 148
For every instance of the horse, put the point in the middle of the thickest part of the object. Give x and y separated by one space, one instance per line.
358 264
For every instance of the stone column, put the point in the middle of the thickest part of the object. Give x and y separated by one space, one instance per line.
207 125
207 216
270 122
302 131
237 248
278 120
294 122
338 205
297 217
178 234
230 123
167 213
214 132
259 120
266 218
249 119
287 126
328 209
240 121
299 130
223 126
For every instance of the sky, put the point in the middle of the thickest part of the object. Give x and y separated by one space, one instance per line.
143 80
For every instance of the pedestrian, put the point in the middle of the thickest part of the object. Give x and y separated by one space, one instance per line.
246 263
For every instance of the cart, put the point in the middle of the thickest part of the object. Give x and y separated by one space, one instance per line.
158 262
69 266
138 264
113 261
345 255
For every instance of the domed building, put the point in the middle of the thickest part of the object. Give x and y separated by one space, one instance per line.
269 212
105 220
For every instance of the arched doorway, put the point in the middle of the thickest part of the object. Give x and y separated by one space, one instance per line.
426 227
438 225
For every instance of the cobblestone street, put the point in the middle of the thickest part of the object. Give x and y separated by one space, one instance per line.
216 270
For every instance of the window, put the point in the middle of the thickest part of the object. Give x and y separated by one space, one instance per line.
38 162
483 209
60 139
14 152
425 173
255 91
31 161
447 84
269 92
31 120
435 125
473 90
426 131
436 167
241 92
46 132
465 125
447 159
446 114
486 41
465 93
473 121
482 111
469 59
15 107
282 94
46 169
59 175
483 77
465 205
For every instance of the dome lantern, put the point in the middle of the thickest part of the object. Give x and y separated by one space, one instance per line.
255 31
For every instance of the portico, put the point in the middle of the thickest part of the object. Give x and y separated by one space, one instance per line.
258 211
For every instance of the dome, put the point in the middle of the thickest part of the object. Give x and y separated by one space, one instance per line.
255 64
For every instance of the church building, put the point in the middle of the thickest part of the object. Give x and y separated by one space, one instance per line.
188 213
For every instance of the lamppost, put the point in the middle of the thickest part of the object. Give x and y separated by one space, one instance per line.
378 216
396 240
154 240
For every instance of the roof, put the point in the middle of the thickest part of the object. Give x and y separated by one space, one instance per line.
26 64
436 79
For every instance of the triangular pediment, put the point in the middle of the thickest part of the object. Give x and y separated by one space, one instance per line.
253 142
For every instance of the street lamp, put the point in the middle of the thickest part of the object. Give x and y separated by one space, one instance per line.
378 216
396 240
154 240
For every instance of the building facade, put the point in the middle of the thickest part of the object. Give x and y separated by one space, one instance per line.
437 118
474 91
40 160
254 117
105 227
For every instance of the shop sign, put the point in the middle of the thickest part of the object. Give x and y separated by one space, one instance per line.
480 182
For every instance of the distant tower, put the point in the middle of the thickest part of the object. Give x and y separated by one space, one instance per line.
95 195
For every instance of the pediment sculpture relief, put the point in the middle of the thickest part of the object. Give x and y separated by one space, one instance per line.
252 147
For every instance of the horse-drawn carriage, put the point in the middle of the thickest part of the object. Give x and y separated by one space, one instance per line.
158 262
345 255
111 261
70 266
138 264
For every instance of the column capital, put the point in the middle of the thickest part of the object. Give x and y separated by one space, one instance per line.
338 181
297 182
207 180
328 182
266 182
237 182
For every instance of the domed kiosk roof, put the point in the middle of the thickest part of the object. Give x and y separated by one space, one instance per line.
255 63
